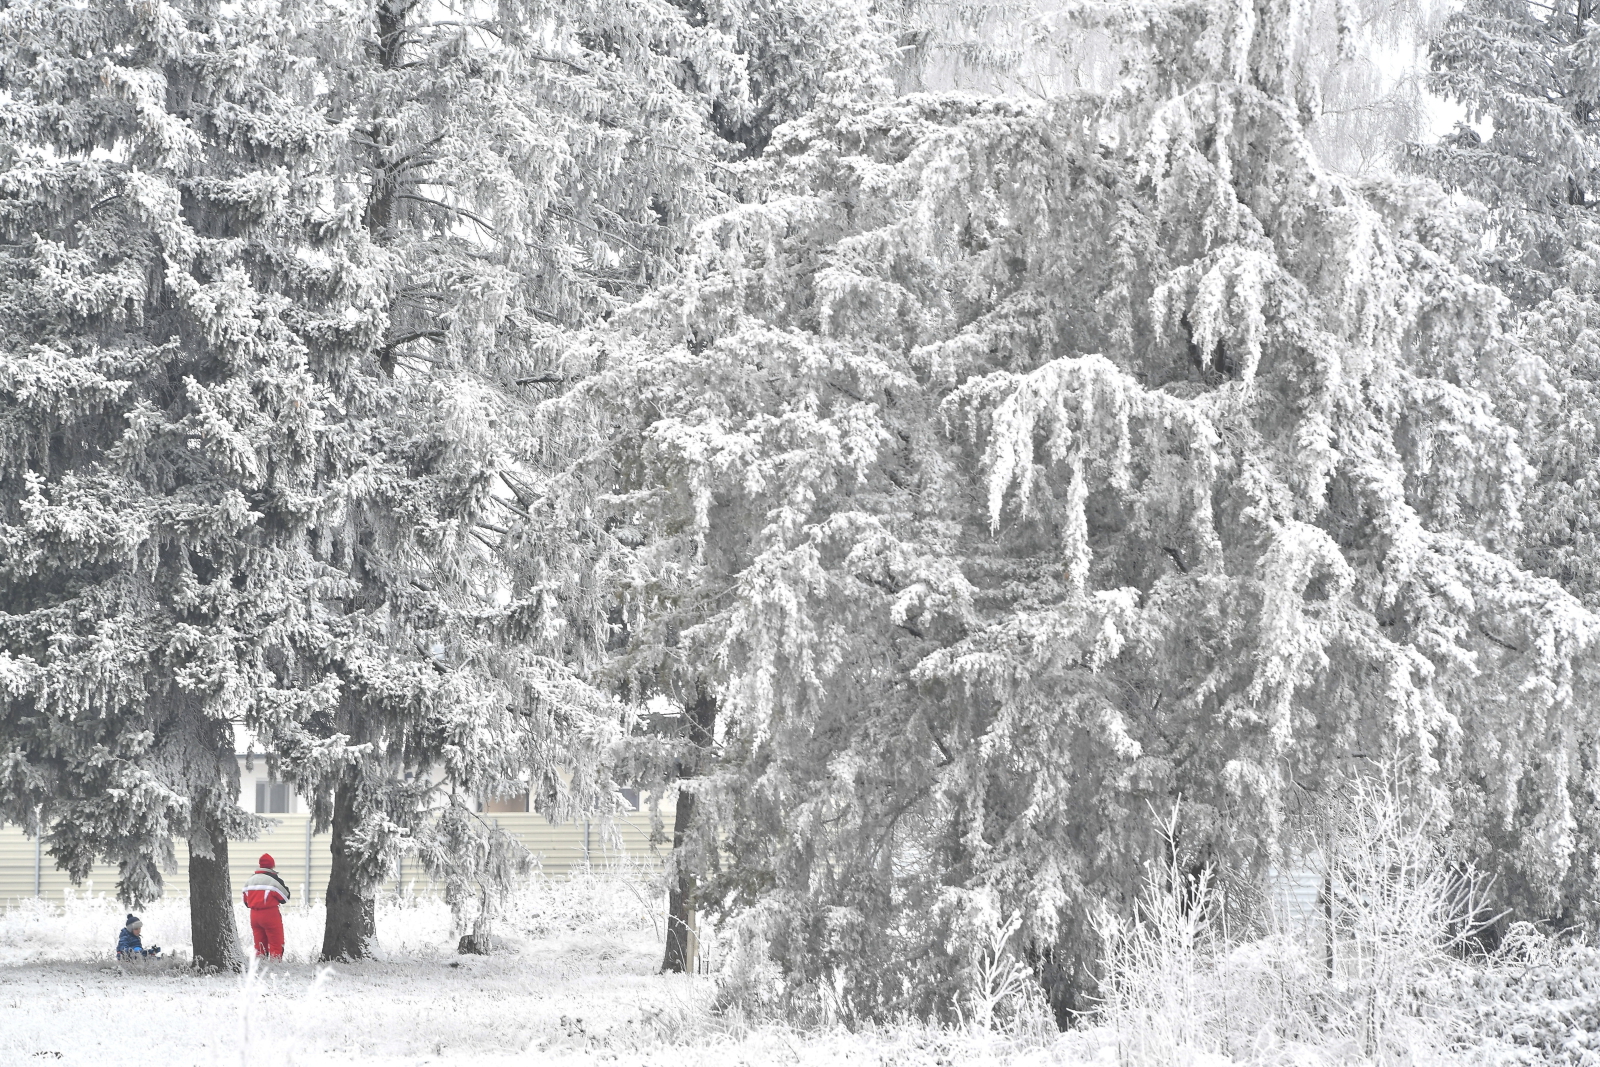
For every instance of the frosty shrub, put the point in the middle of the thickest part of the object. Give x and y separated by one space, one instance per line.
589 900
753 989
1000 992
1178 986
1535 1001
1158 991
981 975
1401 915
749 984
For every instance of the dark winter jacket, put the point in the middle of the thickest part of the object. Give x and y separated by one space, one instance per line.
130 947
265 889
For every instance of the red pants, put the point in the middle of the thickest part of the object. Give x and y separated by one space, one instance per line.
267 926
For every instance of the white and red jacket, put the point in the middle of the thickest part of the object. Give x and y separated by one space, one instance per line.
265 889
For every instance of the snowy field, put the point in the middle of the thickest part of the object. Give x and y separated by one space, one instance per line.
577 983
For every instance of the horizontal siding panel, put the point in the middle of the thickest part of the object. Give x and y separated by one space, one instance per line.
558 850
1295 905
16 864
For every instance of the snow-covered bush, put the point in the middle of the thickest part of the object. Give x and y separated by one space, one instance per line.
1402 916
1178 986
987 983
587 901
1001 991
1536 1001
750 983
1157 990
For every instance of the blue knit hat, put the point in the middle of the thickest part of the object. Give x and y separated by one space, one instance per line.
133 920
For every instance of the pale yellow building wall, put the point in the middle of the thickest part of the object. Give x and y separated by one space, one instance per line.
557 849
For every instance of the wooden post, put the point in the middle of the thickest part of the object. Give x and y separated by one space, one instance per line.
1327 915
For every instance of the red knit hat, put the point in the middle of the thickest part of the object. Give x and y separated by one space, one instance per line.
266 860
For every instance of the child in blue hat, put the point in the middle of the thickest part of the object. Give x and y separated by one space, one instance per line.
129 946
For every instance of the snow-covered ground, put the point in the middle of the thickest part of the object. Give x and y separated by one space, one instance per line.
576 983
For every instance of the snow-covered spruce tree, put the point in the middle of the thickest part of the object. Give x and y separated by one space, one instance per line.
159 199
795 54
1009 471
512 168
1529 76
791 54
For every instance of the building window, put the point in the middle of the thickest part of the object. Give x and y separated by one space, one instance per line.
273 798
630 799
505 805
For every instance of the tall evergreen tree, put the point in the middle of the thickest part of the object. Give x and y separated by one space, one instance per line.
512 170
1526 75
159 197
790 55
1010 469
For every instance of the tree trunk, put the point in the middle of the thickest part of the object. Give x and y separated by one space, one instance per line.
679 956
350 927
1581 110
196 757
211 923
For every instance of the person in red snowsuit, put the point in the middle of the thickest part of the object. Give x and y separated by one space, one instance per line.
263 892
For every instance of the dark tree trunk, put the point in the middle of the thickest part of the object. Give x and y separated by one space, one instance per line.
390 43
348 932
679 956
211 924
196 757
475 945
